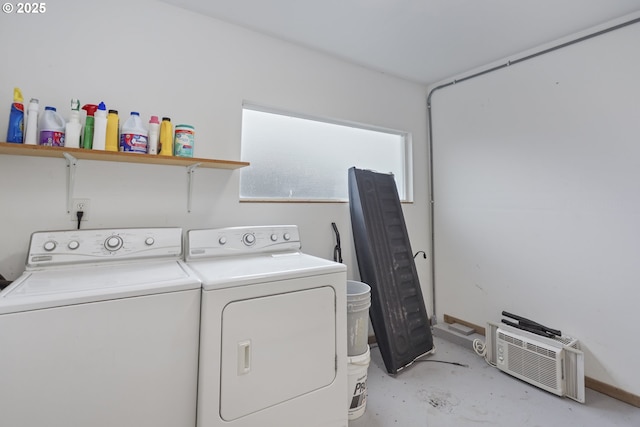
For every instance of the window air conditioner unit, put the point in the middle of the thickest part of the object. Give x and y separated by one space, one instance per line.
552 364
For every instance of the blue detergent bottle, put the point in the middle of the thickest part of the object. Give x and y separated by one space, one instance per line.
15 132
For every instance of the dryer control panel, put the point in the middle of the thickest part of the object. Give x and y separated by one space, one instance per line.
241 241
101 245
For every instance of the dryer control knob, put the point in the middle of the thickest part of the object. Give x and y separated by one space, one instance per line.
248 239
222 240
73 245
49 245
149 241
113 243
274 237
287 236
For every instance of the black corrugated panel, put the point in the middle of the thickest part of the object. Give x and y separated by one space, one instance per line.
3 283
398 314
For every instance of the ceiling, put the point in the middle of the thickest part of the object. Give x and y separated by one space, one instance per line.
423 41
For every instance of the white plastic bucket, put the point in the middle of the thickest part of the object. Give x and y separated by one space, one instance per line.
358 303
357 372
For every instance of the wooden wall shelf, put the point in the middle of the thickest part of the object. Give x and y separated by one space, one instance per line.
112 156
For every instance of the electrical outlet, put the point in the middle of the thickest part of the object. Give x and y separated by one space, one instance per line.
79 205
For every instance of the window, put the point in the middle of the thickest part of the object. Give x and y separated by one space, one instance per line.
301 159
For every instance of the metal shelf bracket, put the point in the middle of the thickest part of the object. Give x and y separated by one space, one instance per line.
72 162
191 170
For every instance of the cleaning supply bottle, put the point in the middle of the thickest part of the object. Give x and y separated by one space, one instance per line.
51 128
113 128
16 118
133 138
154 133
31 129
183 141
87 136
166 137
100 127
74 127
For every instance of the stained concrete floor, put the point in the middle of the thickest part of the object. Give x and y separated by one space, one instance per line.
438 394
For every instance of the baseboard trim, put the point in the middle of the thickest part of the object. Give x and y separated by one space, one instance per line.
612 391
593 384
476 328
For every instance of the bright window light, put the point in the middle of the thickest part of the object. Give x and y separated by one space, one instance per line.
296 158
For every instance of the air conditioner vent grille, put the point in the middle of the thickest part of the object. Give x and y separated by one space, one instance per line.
510 339
530 365
541 350
571 342
529 346
568 341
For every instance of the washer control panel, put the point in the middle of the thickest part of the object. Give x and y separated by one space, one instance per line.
241 240
78 246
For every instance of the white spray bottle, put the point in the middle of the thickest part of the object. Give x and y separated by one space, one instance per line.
31 130
73 127
100 127
154 133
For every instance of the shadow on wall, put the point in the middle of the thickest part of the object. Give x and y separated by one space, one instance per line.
16 259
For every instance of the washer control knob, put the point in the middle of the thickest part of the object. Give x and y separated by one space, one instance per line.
149 241
287 236
113 243
73 245
249 239
222 240
49 245
274 237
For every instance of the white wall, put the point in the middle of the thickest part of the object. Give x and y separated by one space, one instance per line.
537 198
160 60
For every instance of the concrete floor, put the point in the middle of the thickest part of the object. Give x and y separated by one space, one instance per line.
441 395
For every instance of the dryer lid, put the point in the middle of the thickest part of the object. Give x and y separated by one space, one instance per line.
224 272
82 284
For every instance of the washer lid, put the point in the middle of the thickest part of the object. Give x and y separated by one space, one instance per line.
82 284
224 272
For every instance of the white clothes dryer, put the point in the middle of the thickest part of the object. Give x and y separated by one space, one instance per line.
101 330
273 345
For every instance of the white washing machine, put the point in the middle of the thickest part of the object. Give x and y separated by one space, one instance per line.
101 330
273 345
